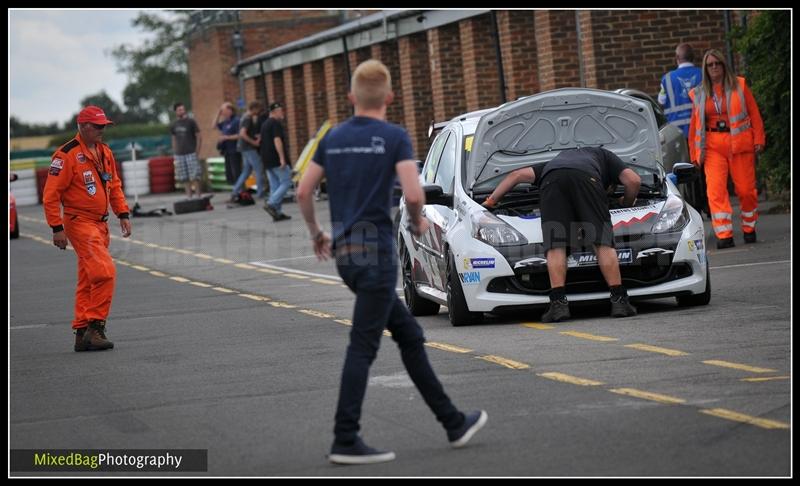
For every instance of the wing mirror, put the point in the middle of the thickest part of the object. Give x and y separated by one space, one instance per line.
435 195
684 172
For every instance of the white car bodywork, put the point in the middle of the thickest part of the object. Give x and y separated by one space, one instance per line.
454 265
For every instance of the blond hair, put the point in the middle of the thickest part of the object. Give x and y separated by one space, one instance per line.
370 84
729 82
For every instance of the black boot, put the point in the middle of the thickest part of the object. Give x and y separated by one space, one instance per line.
620 306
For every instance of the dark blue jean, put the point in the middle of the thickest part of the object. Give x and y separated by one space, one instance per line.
372 276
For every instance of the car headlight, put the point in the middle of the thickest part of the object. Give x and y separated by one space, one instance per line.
673 217
493 231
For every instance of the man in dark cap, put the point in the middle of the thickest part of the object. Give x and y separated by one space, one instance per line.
276 161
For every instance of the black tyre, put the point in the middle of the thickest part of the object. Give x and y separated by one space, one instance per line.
698 299
457 309
418 306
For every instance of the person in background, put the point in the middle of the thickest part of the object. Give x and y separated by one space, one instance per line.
186 143
274 155
249 141
675 87
227 122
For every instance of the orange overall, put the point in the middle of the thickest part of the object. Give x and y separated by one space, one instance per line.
725 128
85 187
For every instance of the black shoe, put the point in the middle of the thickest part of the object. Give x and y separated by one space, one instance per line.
620 307
473 422
750 237
272 211
723 243
282 217
358 453
558 311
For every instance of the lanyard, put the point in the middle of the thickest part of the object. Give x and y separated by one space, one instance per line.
717 103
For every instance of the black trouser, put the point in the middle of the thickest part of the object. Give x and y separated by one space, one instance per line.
573 203
372 276
233 167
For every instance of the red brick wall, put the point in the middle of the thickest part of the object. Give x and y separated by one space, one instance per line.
336 88
415 77
518 46
386 53
556 49
634 49
447 72
316 99
479 57
295 109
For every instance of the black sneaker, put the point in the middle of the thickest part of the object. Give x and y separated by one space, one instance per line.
558 311
272 211
473 422
750 237
358 453
282 217
725 243
620 307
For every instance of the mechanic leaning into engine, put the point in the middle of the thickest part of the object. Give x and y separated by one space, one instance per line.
573 194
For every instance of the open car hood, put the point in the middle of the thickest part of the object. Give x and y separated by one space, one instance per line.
548 122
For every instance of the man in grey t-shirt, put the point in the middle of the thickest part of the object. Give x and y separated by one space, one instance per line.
186 142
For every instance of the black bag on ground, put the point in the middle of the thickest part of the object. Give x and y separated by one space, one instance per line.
193 205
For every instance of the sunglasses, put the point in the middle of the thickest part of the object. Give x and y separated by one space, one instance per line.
98 127
714 64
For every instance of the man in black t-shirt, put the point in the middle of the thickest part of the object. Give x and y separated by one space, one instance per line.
276 161
573 192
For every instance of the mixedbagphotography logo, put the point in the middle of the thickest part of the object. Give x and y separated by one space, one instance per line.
90 460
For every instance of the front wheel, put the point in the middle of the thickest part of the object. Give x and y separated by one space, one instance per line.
457 309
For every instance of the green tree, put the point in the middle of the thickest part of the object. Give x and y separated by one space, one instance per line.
766 48
109 106
158 69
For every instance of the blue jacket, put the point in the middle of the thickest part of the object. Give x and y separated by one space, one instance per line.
674 95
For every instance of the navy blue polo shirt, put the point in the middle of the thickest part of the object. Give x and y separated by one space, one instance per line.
359 158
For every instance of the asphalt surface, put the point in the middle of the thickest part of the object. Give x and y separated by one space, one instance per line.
230 337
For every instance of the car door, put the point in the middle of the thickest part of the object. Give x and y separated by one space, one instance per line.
440 216
427 272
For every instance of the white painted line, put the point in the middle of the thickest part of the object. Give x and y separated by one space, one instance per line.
32 326
292 270
290 258
750 264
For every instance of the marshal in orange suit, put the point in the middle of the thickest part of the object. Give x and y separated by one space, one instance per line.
83 179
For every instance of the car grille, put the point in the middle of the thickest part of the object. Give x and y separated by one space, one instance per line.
586 280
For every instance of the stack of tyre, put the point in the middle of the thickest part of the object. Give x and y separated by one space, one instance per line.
24 188
136 177
216 174
162 175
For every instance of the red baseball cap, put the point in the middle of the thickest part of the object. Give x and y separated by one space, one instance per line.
93 114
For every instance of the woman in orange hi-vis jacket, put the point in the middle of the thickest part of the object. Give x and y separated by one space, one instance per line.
83 178
725 133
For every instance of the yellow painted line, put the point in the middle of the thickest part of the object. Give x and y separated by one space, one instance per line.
179 279
245 266
201 284
283 305
294 275
269 270
123 263
346 322
139 267
185 252
254 297
137 242
738 366
553 375
591 337
448 347
508 363
536 325
156 273
655 397
316 313
203 255
152 245
656 349
747 419
223 260
223 289
323 281
765 378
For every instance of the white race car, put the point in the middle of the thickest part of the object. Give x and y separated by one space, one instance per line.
475 260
